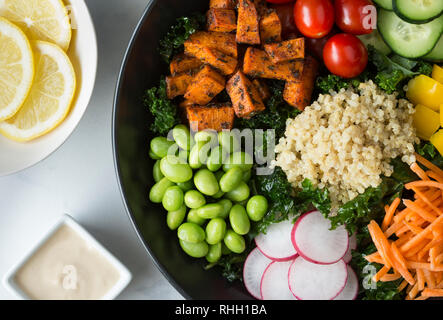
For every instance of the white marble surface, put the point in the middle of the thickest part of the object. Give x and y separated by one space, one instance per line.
79 178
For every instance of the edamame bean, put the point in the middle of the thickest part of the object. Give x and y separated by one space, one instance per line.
218 195
195 250
234 241
156 172
175 170
229 141
205 182
225 249
231 179
195 218
239 220
227 205
239 159
182 137
194 199
186 186
215 230
173 198
240 193
210 211
198 155
216 159
257 207
175 218
191 232
207 136
214 253
153 156
158 190
160 146
183 155
247 176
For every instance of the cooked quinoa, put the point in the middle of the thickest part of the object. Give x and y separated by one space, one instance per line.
345 141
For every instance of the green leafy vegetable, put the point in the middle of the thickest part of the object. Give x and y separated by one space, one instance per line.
331 82
427 150
163 110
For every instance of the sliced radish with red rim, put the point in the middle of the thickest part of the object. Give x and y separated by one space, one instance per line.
350 291
314 240
310 281
352 246
253 269
276 243
274 283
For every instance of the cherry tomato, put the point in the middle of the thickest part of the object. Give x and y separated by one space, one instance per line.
286 14
315 46
314 18
354 16
345 55
280 1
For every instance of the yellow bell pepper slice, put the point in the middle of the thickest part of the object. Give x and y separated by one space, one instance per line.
441 115
426 91
437 73
437 141
426 121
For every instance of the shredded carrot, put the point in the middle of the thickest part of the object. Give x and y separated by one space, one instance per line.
432 293
428 164
419 171
390 214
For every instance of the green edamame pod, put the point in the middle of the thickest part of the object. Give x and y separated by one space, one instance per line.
173 198
194 199
210 211
175 170
216 159
182 137
186 186
191 232
239 220
195 218
229 141
214 253
234 241
195 250
158 190
239 159
215 230
257 207
205 182
160 146
227 205
175 218
156 172
239 194
231 179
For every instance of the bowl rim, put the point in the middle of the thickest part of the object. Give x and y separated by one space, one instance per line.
95 50
118 87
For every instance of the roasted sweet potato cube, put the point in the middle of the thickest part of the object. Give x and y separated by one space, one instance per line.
177 85
262 88
221 20
222 4
216 117
183 63
299 93
205 86
217 59
258 64
244 96
270 28
261 6
224 42
248 23
286 50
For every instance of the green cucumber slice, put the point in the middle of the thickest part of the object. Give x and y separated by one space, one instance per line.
407 39
374 39
436 55
385 4
418 11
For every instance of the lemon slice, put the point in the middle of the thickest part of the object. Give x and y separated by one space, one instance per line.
50 98
16 68
46 20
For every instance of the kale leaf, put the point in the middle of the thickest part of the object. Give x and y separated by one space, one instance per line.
331 82
163 110
428 151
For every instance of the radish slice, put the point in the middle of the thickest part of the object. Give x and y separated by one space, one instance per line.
253 269
315 242
352 246
310 281
350 291
276 243
274 283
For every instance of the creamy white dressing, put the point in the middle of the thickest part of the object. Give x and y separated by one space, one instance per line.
66 267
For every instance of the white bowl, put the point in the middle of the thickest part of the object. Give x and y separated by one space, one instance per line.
16 156
125 276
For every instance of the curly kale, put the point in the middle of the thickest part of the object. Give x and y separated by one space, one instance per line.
331 82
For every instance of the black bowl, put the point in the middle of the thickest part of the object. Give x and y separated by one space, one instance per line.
142 68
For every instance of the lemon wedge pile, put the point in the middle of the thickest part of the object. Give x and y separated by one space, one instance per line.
37 79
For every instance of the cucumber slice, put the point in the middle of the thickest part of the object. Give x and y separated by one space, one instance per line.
436 55
418 11
407 39
374 39
385 4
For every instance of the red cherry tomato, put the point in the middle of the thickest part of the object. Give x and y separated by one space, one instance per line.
314 18
286 14
315 46
345 55
353 16
280 1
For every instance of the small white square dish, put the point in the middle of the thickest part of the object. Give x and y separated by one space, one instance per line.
67 264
